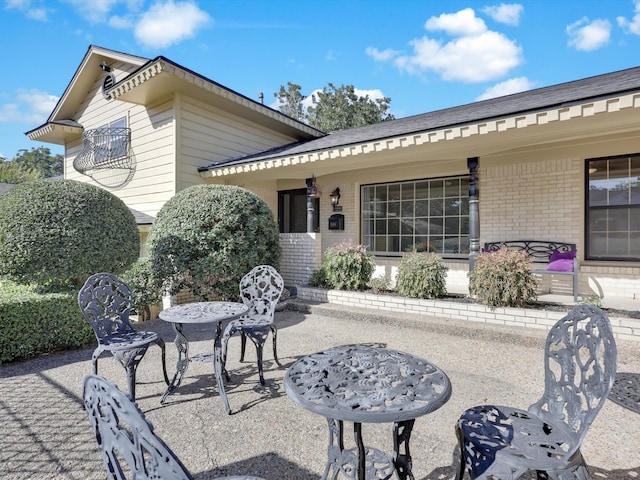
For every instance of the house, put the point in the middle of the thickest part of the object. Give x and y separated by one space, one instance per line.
557 163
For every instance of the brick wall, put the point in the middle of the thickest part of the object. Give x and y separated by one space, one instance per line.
301 255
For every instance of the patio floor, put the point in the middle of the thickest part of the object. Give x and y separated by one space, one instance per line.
46 434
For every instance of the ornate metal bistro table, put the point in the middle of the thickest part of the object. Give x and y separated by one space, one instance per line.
365 384
197 313
626 391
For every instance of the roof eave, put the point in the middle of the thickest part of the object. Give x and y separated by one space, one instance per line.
444 134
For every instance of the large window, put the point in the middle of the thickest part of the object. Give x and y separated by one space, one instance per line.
613 208
426 215
292 211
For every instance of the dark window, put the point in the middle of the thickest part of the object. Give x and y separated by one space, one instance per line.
424 215
613 208
292 211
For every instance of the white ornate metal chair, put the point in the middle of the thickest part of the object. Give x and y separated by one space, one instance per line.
505 442
105 302
260 290
130 449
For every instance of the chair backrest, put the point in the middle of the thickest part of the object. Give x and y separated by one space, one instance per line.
105 302
260 290
130 448
580 367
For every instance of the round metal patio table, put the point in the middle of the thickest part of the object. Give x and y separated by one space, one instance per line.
367 384
626 391
219 313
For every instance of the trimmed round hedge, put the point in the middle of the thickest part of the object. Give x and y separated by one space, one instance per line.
207 237
55 231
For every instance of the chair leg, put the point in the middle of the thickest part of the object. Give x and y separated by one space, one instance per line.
243 345
259 355
274 336
462 465
160 343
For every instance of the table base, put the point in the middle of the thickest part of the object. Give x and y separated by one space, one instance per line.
182 364
360 462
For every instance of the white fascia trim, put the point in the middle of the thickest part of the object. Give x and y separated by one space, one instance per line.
562 114
215 89
51 127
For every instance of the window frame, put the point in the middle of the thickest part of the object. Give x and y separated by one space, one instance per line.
107 144
591 212
423 209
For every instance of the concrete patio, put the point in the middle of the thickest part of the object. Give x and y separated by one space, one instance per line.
46 434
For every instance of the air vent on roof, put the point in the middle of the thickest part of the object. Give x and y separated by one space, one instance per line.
108 81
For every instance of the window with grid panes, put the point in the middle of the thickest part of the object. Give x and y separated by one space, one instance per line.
430 215
613 208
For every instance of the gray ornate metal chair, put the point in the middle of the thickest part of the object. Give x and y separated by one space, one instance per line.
260 290
105 302
505 442
129 447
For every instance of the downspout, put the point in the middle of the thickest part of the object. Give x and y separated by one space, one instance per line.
474 211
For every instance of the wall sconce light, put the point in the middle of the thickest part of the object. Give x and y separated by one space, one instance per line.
335 200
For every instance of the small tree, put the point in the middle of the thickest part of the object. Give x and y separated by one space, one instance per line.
207 237
61 231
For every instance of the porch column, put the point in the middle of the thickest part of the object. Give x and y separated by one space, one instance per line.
474 211
310 228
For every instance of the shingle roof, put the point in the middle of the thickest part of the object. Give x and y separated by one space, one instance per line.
555 96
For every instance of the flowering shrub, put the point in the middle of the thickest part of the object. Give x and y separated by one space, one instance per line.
422 275
345 266
503 279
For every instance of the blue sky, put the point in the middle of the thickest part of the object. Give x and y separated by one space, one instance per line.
424 55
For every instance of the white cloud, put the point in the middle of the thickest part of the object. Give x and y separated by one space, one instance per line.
508 14
95 11
167 23
474 54
29 107
40 14
476 58
460 23
381 55
588 36
632 26
513 85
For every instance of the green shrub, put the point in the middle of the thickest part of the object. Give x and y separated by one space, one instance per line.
59 232
503 279
144 290
33 323
422 275
379 284
207 237
319 279
348 266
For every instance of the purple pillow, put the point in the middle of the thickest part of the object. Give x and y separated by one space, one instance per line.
557 255
561 265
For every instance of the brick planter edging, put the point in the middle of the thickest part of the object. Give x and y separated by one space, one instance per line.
624 328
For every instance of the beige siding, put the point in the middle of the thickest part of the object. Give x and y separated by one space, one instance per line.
152 144
209 134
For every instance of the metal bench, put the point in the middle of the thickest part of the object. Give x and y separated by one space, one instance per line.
540 252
